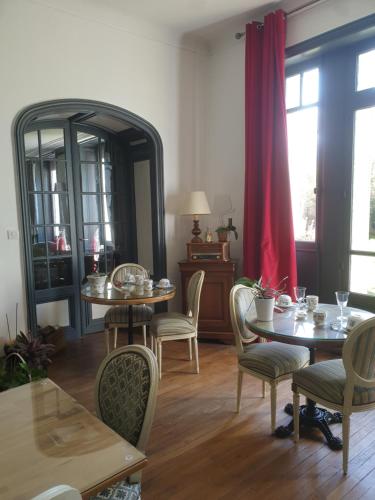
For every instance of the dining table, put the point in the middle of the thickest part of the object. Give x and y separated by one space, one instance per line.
48 438
286 328
129 295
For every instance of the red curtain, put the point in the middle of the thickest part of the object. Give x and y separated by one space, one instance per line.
269 248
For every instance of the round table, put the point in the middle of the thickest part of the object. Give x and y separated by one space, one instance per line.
130 296
285 328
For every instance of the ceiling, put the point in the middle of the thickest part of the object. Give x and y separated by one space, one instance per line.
189 15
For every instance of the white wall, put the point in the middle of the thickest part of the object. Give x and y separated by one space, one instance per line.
80 49
223 164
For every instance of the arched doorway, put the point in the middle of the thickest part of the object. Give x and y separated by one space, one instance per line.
91 186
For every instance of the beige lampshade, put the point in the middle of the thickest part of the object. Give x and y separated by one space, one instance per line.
195 203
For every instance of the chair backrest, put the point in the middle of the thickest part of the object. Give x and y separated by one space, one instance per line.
119 273
125 393
359 358
60 492
241 304
193 295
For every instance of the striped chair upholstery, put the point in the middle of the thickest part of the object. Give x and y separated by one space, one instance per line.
177 326
126 390
347 384
270 361
274 359
118 316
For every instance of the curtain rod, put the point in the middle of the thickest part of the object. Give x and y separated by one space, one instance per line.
307 5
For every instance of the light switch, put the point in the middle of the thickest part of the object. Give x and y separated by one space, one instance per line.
12 234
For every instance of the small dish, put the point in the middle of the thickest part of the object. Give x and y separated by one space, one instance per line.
285 307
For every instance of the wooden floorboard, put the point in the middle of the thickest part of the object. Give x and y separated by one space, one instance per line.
201 449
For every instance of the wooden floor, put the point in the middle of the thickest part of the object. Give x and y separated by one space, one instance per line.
201 449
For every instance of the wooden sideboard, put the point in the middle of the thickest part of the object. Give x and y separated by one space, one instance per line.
214 317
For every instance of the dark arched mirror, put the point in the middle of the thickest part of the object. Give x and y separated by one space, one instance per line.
91 179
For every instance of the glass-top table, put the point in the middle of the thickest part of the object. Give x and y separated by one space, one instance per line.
130 296
285 328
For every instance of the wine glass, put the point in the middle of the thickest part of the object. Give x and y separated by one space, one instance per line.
342 299
299 292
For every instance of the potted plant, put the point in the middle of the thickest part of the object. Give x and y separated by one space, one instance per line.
26 359
264 296
224 231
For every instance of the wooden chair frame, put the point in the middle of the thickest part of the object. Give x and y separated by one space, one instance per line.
193 313
121 269
150 358
352 379
240 342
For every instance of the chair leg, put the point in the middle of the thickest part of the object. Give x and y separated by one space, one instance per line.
273 406
345 441
239 389
195 340
115 340
190 352
296 416
152 343
159 349
144 329
106 331
263 388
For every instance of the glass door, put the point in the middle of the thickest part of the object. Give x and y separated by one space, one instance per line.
51 224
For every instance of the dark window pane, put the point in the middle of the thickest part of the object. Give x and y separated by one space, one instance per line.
31 145
34 182
36 209
59 242
54 175
60 272
107 178
90 177
56 209
52 144
93 240
40 275
88 147
91 208
38 242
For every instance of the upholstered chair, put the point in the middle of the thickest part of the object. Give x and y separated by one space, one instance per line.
125 394
346 385
118 316
177 326
271 362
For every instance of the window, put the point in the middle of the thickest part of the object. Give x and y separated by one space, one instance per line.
330 103
302 95
362 255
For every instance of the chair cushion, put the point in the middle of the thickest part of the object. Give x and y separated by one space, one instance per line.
274 359
120 491
120 314
165 324
327 380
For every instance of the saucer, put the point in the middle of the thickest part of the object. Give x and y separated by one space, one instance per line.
285 307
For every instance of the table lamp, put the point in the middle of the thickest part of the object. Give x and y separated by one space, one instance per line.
195 204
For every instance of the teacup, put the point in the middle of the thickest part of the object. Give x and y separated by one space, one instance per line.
139 279
312 302
284 300
148 284
138 290
319 317
164 283
353 320
129 278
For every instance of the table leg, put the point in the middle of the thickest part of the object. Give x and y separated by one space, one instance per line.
312 416
130 325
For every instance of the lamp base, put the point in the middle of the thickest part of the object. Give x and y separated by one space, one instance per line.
196 232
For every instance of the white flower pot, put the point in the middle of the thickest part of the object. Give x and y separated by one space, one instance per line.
264 308
97 282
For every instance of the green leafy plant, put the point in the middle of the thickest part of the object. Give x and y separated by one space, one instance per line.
32 350
263 290
228 229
